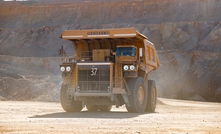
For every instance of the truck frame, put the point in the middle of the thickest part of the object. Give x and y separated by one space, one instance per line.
109 67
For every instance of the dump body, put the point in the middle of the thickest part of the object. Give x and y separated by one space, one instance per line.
88 40
104 62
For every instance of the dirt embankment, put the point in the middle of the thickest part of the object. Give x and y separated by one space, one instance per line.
186 33
30 78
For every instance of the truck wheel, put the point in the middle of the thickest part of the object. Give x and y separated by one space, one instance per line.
75 106
152 97
105 108
138 96
92 108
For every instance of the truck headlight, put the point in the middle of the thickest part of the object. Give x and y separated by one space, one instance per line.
132 67
68 69
62 69
125 67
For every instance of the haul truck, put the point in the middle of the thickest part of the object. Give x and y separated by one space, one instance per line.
109 67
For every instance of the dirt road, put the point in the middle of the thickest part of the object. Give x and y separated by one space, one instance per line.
175 116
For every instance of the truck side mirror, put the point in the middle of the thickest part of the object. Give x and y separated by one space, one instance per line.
61 51
140 52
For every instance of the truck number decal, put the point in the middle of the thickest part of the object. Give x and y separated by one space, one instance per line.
94 71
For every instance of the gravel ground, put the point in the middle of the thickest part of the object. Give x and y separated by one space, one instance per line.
172 116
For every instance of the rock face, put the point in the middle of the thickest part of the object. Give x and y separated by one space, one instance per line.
186 33
39 88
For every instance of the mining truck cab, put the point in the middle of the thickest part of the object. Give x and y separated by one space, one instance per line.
128 56
109 67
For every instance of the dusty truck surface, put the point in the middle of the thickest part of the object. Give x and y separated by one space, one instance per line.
109 67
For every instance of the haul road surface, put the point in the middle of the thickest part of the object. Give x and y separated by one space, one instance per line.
171 116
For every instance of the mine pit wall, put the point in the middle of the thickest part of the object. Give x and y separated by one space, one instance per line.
186 34
40 13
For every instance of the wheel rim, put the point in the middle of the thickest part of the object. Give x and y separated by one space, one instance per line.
140 95
154 97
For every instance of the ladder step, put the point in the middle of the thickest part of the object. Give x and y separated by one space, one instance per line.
71 88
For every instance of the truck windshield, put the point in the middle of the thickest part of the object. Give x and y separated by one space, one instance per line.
125 51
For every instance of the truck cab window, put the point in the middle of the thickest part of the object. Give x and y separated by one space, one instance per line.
125 51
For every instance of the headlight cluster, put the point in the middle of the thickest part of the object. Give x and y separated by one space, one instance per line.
126 67
131 67
68 69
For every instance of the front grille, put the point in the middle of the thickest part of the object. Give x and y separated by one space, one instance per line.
93 80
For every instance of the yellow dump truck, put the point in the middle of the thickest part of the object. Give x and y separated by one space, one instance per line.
109 67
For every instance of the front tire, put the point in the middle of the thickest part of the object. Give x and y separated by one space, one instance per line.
75 106
138 96
92 108
152 97
105 108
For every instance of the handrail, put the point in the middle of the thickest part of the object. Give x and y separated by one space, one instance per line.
64 55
